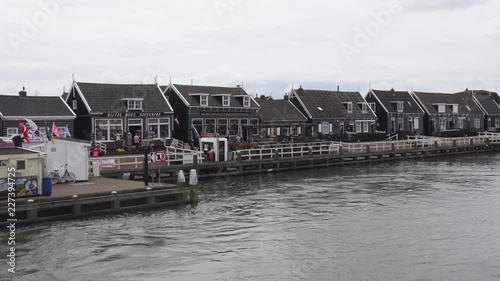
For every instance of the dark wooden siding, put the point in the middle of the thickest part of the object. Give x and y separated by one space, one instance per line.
60 123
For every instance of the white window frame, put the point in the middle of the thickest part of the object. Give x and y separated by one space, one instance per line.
401 124
246 101
460 123
454 108
134 104
75 104
226 101
416 124
364 108
158 122
11 133
203 100
477 123
441 108
400 105
358 127
442 124
366 127
105 123
349 107
497 122
373 106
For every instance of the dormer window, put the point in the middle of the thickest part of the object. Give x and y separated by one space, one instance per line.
454 107
204 100
246 101
364 108
225 101
134 104
441 108
400 106
348 106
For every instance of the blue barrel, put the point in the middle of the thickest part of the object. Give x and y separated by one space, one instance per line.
47 186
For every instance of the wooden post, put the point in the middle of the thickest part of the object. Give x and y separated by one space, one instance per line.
193 186
310 152
341 151
454 143
146 169
471 142
393 147
367 148
195 162
436 144
238 157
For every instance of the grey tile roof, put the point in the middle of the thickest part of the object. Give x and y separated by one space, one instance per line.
279 111
486 99
329 104
33 106
15 151
387 98
107 98
186 90
466 104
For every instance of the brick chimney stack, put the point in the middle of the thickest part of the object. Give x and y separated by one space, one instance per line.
22 93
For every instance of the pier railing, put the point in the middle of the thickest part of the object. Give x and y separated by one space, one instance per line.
294 150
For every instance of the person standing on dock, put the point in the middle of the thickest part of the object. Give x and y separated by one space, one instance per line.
137 140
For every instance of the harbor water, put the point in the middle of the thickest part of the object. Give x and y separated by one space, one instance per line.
417 220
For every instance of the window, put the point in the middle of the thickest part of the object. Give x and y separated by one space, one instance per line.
373 106
209 126
75 104
108 129
358 127
160 127
134 104
393 125
364 108
455 108
401 124
21 165
3 163
319 128
349 107
255 123
497 123
460 123
400 106
441 108
198 125
477 123
365 127
294 131
225 101
244 122
416 124
12 132
204 100
331 128
442 124
246 101
234 127
222 127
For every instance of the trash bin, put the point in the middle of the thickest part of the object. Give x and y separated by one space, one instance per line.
47 186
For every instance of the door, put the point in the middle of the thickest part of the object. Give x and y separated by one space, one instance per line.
135 127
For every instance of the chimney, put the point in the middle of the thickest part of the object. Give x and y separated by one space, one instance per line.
238 86
338 88
286 96
392 89
262 96
22 93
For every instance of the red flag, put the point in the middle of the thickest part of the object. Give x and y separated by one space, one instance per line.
24 131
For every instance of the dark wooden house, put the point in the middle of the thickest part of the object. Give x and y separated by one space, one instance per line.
280 118
334 112
445 112
213 110
107 112
396 111
42 110
489 103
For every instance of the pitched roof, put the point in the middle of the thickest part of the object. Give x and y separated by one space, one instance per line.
487 100
329 104
33 106
279 111
390 98
466 104
16 151
235 94
109 98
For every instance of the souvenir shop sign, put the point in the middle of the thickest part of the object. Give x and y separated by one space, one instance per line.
134 114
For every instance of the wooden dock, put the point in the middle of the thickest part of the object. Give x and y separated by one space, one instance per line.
274 158
99 196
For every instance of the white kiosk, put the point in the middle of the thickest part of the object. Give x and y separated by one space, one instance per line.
215 148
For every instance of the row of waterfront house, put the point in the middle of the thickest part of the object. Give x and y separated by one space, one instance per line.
106 113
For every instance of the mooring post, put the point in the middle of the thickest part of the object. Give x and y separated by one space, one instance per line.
193 186
146 168
195 162
181 184
367 148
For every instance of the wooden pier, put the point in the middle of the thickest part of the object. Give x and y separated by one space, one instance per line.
274 158
100 196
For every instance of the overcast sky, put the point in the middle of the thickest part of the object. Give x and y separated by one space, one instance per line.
425 45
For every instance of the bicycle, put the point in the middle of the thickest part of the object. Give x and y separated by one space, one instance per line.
67 176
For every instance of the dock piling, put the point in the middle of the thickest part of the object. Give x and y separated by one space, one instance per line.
193 186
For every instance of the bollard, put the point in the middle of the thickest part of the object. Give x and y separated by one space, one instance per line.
193 186
180 177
